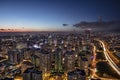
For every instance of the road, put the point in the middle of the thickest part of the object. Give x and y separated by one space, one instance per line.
93 69
3 60
94 62
109 59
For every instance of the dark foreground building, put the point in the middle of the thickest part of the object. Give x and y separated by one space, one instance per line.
77 75
32 74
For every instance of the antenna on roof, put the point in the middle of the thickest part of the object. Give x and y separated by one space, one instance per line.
100 19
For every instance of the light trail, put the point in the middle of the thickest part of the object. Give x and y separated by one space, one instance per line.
111 62
94 75
94 62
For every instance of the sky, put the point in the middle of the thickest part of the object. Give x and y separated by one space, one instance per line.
49 15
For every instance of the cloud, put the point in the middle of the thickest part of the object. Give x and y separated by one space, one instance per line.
65 25
7 29
2 29
108 25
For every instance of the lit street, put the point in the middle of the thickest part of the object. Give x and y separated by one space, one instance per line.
111 62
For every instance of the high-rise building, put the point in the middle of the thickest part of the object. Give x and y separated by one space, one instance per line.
36 75
7 79
87 36
44 60
58 60
76 75
100 19
50 39
27 53
82 62
26 64
32 74
35 60
14 56
21 54
69 61
27 74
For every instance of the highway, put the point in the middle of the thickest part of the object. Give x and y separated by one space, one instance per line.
93 74
108 58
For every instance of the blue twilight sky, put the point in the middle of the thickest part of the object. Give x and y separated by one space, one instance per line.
51 14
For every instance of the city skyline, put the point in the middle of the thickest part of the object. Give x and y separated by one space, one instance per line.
59 39
60 56
34 15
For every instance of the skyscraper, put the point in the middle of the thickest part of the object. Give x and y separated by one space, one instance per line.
76 75
58 60
69 60
87 36
14 56
32 74
44 60
82 62
35 60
